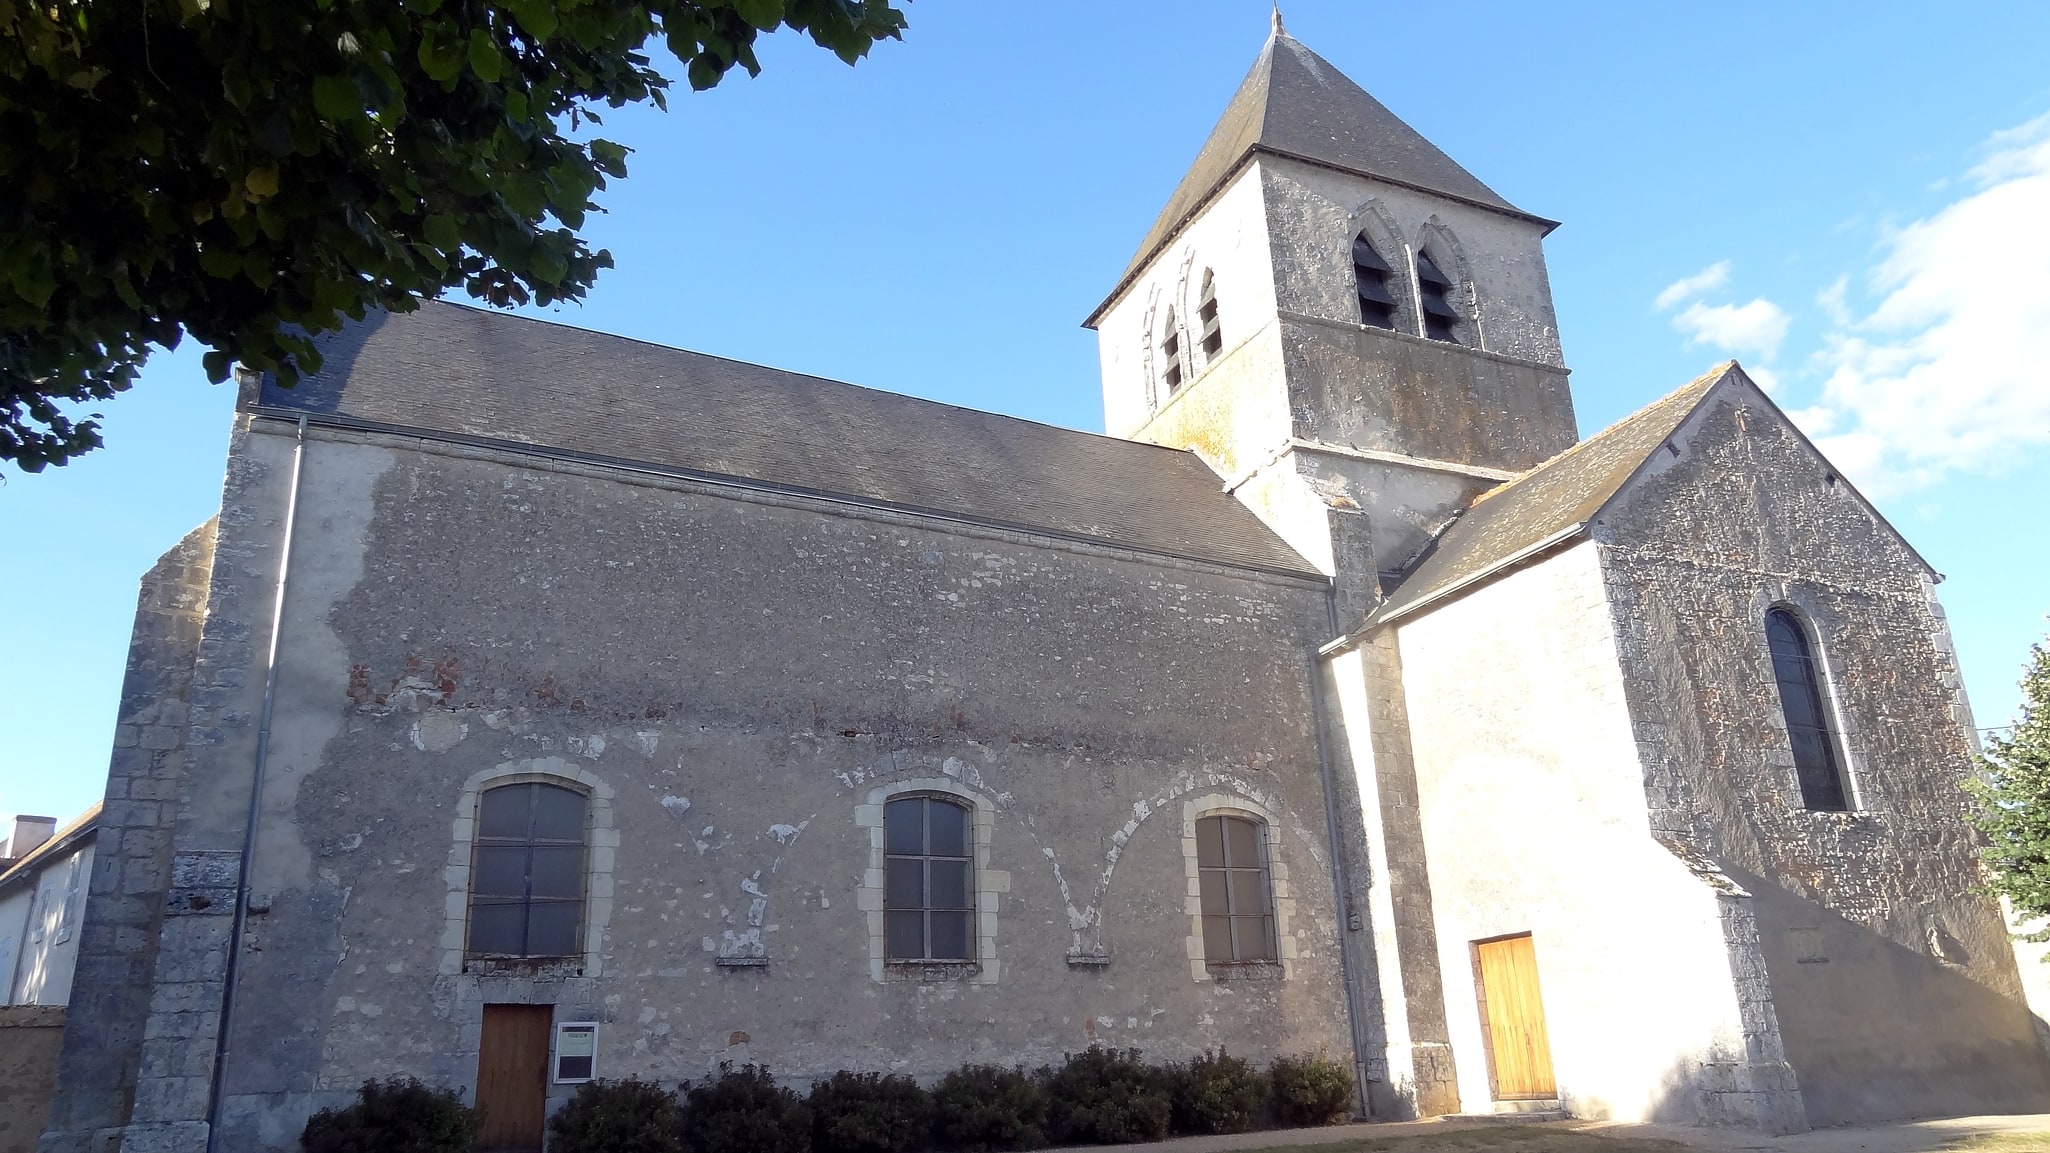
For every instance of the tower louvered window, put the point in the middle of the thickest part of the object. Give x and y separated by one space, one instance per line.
1206 316
1372 275
1804 702
1433 286
1171 366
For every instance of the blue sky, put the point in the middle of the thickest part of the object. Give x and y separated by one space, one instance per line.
1852 198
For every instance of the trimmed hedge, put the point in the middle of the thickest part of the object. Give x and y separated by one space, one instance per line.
1096 1097
1108 1097
1217 1093
630 1116
744 1111
869 1113
398 1115
1311 1090
984 1108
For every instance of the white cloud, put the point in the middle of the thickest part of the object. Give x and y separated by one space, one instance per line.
1947 372
1831 301
1686 288
1756 328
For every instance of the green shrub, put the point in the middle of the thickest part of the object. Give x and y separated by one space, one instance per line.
1107 1097
869 1113
1311 1090
399 1115
983 1108
1216 1093
744 1111
628 1116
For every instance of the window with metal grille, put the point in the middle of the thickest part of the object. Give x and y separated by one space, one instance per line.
1238 909
1171 355
527 872
1372 275
1433 289
1206 318
928 883
1804 701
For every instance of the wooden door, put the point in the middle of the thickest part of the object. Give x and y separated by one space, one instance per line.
1513 1020
512 1077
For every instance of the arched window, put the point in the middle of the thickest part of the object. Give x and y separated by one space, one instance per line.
527 872
1371 274
1171 365
1434 289
1206 317
1238 906
928 892
1804 699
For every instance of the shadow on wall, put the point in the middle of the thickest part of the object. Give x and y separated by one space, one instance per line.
1878 1031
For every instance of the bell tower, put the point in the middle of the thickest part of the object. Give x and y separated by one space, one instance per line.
1347 325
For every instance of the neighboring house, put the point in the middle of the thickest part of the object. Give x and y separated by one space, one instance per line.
42 901
634 710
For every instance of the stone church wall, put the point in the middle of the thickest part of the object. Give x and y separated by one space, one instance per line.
740 680
1895 987
1534 822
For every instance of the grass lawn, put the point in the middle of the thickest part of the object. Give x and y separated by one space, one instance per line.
1532 1139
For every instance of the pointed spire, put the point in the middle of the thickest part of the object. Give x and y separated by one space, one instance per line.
1294 103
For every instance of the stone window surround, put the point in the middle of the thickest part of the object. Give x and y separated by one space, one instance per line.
1233 805
1809 613
603 842
990 884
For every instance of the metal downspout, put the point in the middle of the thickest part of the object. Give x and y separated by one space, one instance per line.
1348 959
270 692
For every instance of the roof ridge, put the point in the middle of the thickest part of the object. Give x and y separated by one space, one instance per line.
812 376
1703 381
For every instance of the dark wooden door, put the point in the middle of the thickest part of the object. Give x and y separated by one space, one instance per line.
512 1077
1513 1015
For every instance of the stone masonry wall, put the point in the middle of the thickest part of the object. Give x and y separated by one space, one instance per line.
737 683
119 934
31 1036
1894 986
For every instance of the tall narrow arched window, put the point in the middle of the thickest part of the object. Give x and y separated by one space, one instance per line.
1171 362
1238 905
527 872
1371 276
928 892
1804 700
1206 317
1434 290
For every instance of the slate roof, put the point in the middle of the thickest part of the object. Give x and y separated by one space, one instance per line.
1295 103
61 840
1551 502
508 381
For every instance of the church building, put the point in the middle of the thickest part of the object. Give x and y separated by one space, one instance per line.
545 705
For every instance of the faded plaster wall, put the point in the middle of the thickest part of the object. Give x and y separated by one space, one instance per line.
1894 982
30 1038
46 949
737 677
1534 822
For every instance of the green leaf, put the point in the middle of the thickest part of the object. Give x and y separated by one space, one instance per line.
221 262
335 98
536 17
217 364
440 66
765 15
484 58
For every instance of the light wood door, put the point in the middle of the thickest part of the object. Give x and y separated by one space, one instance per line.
1513 1018
512 1077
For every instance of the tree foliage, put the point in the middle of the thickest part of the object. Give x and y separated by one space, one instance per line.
250 172
2013 790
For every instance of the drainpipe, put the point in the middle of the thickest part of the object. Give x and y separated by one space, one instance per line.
270 694
1348 958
